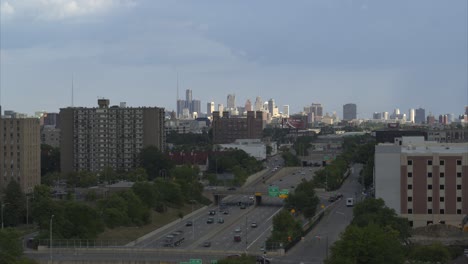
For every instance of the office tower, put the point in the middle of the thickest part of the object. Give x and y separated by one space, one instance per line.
221 109
258 104
181 104
430 119
271 106
423 181
412 115
96 138
466 110
349 112
385 115
20 155
227 129
396 111
231 101
420 116
188 95
196 106
377 116
51 119
286 111
317 109
210 107
248 105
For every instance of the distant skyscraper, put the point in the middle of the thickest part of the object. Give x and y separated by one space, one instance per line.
385 115
221 109
317 109
420 116
231 101
258 104
349 112
466 110
377 116
412 115
181 104
397 111
271 106
210 108
188 95
196 106
248 105
286 110
430 119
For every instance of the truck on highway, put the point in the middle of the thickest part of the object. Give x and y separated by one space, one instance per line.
349 202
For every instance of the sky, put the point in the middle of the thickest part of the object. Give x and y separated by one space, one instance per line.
378 54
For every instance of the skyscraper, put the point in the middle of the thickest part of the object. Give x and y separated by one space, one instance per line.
286 110
231 101
317 109
210 107
196 107
271 106
349 112
248 105
221 109
420 116
258 104
412 115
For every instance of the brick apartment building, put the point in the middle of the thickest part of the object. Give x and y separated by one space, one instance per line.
95 138
227 129
20 158
426 182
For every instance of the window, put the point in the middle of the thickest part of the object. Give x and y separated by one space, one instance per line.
442 199
410 186
429 199
459 199
442 211
410 199
429 211
429 162
429 174
441 162
442 175
410 211
410 174
458 186
458 211
458 162
458 174
410 162
442 187
429 186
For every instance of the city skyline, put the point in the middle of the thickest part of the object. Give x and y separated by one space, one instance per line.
372 54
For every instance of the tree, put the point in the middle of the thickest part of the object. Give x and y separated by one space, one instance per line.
285 226
14 201
50 159
137 175
10 246
374 211
303 199
435 253
367 245
154 162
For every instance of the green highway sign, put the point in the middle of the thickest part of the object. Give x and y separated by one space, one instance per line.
273 191
214 262
196 261
284 191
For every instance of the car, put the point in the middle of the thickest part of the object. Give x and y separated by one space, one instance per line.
189 223
253 225
263 260
331 199
210 220
226 212
237 238
281 179
339 196
178 232
238 229
212 212
242 206
220 220
207 244
231 188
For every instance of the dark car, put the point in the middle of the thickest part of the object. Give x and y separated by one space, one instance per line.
189 223
237 238
262 260
231 189
210 220
212 212
331 199
207 244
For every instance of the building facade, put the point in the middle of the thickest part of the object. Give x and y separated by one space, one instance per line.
20 157
227 129
426 182
420 116
50 135
95 138
349 112
210 107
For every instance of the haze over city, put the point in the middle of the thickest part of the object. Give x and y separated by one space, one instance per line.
380 55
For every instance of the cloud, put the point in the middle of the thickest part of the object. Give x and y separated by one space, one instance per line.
6 9
62 9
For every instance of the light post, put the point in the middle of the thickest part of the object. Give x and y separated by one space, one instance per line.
50 251
3 206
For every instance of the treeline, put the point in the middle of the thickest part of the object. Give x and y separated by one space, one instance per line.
11 248
377 235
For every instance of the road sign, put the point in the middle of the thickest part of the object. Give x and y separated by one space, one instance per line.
214 262
284 191
273 191
196 261
283 196
258 194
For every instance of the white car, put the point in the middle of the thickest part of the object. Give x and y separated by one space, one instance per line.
238 229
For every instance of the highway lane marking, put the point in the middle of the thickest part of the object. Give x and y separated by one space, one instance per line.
268 228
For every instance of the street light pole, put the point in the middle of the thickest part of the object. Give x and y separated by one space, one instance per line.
50 251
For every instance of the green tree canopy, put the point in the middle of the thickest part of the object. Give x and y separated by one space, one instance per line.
155 162
14 202
435 253
50 159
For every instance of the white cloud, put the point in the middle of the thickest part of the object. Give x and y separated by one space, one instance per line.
62 9
6 9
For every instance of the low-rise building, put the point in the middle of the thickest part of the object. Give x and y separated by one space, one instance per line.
254 147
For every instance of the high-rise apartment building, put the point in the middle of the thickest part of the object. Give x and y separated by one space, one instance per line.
51 119
420 116
227 129
20 152
423 181
95 138
231 101
210 107
349 112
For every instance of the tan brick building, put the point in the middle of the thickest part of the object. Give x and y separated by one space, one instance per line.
227 129
20 157
95 138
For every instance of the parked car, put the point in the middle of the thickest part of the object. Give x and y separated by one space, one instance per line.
189 223
210 220
220 220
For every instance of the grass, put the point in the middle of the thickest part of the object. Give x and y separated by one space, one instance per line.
127 234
